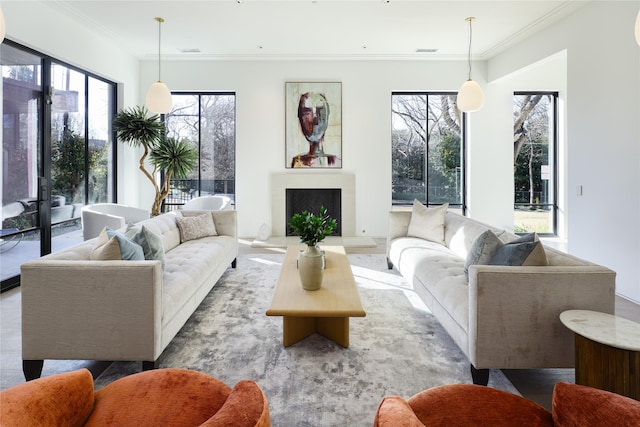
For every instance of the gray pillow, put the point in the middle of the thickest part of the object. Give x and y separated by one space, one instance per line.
112 245
150 242
482 250
526 250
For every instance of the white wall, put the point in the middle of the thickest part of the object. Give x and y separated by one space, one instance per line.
46 28
602 131
260 118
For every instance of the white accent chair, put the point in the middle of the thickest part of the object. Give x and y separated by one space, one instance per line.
96 217
208 203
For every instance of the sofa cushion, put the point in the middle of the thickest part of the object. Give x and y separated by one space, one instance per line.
578 405
526 250
111 245
482 250
150 242
427 223
164 226
196 227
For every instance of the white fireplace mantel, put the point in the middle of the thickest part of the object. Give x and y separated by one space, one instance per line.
344 181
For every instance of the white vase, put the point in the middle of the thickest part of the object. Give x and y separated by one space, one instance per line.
310 267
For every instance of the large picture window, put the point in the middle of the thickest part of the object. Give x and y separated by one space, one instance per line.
208 121
427 149
535 167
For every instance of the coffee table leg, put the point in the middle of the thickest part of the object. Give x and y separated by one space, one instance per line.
297 328
334 328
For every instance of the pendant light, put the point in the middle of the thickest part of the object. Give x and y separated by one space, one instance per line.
3 27
159 96
638 28
470 97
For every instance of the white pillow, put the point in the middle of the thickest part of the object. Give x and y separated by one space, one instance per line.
427 223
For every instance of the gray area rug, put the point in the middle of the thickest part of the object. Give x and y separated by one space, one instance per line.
399 348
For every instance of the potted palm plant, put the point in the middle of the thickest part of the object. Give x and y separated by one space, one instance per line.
312 229
173 158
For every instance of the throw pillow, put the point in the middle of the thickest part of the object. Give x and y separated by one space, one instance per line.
482 250
527 250
111 246
427 223
195 227
150 242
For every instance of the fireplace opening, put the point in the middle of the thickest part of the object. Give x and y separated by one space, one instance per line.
311 200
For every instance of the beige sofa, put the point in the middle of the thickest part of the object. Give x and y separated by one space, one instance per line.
77 308
504 316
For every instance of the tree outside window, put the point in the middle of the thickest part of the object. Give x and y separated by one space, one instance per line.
534 148
427 149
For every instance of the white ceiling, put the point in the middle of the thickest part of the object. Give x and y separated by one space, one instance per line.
305 29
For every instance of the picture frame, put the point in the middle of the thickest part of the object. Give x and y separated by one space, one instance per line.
313 125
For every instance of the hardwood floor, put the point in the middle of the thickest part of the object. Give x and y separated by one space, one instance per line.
534 384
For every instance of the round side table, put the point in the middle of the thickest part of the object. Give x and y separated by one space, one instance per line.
607 351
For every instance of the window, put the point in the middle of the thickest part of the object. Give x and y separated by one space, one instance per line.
427 149
57 154
208 120
535 166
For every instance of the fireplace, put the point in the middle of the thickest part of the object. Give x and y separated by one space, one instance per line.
345 182
311 200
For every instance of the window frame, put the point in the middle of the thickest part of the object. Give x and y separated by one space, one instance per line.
463 155
555 167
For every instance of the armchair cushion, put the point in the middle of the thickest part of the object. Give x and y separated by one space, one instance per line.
462 405
246 406
59 400
175 397
578 405
395 411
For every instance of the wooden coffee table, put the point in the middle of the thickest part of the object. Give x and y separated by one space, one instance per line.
325 311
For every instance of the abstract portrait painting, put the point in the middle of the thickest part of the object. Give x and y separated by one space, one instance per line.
313 126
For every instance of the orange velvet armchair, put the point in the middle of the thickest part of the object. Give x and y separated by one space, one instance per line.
468 404
163 397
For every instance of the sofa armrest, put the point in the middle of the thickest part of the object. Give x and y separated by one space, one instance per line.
514 312
226 222
398 225
95 310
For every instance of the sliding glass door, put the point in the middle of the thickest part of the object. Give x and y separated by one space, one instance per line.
57 154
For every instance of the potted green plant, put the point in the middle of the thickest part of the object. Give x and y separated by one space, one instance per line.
171 157
312 229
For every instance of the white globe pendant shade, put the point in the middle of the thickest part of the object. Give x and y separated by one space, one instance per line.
3 27
159 98
638 28
470 97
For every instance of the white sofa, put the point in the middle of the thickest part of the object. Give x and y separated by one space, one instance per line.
74 308
503 316
115 216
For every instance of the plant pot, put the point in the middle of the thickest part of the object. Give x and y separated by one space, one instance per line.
310 267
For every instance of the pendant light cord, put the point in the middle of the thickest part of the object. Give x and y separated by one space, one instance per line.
470 19
160 21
